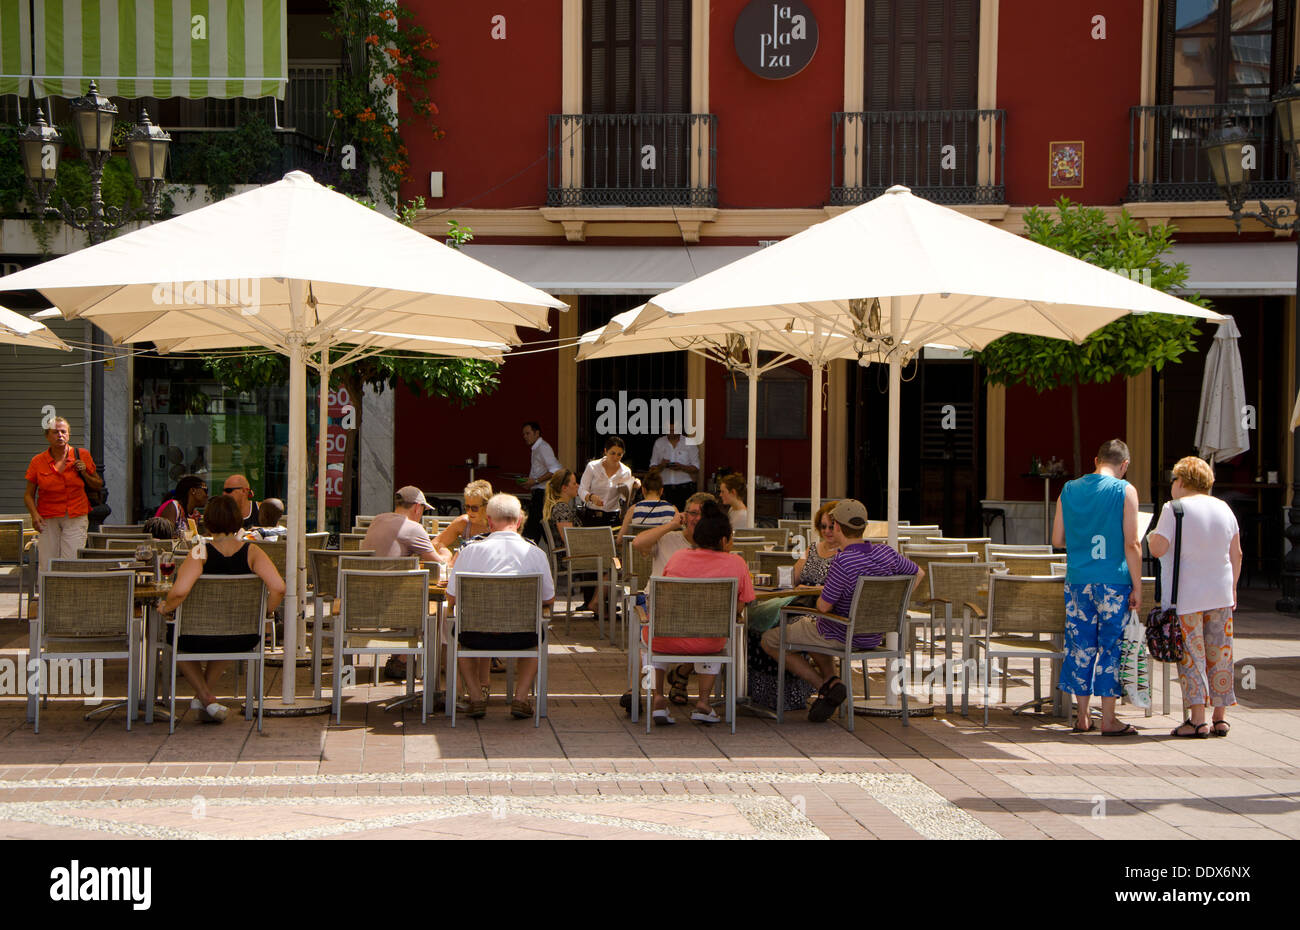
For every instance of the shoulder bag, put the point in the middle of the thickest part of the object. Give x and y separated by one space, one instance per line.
1164 632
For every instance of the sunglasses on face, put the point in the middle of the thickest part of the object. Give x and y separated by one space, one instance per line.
233 490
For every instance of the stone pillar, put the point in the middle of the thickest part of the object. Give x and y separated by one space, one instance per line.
375 461
118 422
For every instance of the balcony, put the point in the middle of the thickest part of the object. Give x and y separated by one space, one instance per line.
632 160
947 156
1166 162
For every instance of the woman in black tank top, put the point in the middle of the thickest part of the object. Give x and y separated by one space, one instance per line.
227 554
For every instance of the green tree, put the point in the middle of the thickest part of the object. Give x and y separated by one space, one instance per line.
1127 347
457 379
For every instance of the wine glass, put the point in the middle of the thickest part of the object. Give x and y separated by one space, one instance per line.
167 565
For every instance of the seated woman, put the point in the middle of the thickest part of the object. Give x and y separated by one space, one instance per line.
560 509
469 525
732 492
226 554
809 570
711 559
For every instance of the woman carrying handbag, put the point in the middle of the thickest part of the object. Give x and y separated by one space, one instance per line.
1201 578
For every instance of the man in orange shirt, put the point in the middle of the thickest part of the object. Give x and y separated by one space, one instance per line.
56 494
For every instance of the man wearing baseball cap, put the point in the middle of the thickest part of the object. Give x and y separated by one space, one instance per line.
400 533
855 559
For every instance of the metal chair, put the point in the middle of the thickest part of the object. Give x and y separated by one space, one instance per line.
695 608
776 537
351 542
1016 549
223 605
374 563
909 547
84 615
637 566
13 563
1021 610
112 529
102 540
749 551
594 546
491 603
972 543
954 587
383 613
362 521
1030 564
879 606
323 573
121 555
769 562
88 565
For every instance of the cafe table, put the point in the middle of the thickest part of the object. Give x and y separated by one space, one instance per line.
761 594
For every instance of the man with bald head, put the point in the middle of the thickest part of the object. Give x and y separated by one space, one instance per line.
237 487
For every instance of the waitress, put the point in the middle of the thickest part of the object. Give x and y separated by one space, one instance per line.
56 494
602 483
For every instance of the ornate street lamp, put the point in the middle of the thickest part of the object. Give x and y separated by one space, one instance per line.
93 116
1224 150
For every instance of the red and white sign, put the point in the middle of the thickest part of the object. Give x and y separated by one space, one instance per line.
338 398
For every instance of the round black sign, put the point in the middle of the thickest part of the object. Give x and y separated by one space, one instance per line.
776 38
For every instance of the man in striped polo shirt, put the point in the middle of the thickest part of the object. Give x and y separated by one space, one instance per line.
855 559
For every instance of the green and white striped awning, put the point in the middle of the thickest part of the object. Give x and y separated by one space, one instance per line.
15 47
152 48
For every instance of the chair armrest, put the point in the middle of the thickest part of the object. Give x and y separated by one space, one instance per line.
976 610
934 600
811 612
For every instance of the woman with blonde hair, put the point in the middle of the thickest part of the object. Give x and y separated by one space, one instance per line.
472 523
560 509
1209 565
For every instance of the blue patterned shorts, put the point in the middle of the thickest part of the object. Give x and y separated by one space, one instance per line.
1094 627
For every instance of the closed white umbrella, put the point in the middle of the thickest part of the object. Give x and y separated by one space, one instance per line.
899 272
1221 433
19 330
295 267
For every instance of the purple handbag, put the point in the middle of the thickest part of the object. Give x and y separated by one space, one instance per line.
1164 632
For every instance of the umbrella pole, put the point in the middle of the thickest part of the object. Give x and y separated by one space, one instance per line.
895 424
816 495
752 451
323 430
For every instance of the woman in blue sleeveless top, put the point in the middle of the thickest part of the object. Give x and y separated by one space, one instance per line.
1096 523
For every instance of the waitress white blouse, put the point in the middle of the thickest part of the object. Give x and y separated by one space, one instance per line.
595 481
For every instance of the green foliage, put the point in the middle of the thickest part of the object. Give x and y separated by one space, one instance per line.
13 183
388 54
457 235
249 155
1127 347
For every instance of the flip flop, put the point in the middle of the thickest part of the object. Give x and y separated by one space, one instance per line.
663 718
830 696
1127 730
700 716
1078 729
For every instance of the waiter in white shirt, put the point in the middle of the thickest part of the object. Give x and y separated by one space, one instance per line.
678 464
542 466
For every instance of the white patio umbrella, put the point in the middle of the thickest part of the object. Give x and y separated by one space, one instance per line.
899 272
19 330
790 340
295 267
1220 432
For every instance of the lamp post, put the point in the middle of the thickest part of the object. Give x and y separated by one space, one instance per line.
1224 148
93 116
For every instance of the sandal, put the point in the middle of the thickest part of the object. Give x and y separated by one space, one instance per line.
1214 727
498 666
830 696
521 710
1078 729
677 682
1126 730
477 709
710 716
663 718
1196 733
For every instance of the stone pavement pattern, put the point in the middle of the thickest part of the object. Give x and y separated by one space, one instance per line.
589 772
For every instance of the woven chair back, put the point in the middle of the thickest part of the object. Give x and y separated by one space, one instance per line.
223 605
769 562
11 541
351 542
86 565
925 560
925 548
1014 549
1030 564
589 541
323 569
110 554
959 582
777 537
116 529
87 606
498 603
131 543
692 607
638 564
1018 604
373 563
277 550
879 602
749 552
384 600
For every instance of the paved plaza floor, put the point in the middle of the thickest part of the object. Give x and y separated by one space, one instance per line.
589 772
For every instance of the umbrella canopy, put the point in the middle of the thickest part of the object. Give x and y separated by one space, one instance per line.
899 272
1220 432
295 267
22 331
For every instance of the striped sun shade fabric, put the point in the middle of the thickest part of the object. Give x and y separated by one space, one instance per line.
145 48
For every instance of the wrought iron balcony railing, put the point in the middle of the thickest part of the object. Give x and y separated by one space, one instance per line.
1166 162
948 156
632 160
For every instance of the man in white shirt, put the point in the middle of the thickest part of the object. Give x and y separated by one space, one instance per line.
678 464
503 552
542 465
